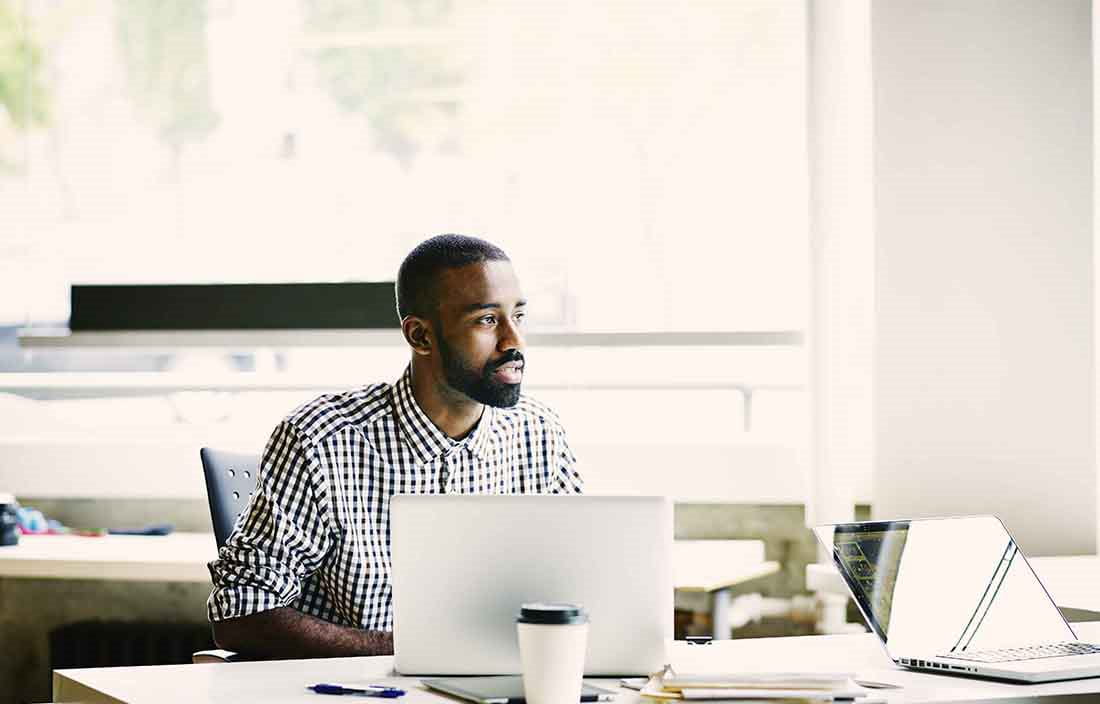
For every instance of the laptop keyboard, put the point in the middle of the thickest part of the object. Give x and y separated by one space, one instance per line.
1033 652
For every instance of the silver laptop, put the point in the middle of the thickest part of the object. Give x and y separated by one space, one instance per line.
463 565
956 595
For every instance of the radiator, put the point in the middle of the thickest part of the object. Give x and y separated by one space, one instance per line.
118 643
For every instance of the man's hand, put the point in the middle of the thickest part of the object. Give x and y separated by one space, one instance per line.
286 633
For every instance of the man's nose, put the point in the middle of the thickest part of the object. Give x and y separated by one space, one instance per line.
510 337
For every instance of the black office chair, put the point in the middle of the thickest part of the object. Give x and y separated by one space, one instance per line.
230 481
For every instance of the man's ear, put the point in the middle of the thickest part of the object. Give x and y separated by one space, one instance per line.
418 333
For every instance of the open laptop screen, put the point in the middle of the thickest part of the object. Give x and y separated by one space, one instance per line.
937 586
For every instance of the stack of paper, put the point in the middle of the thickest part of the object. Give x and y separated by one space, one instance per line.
810 687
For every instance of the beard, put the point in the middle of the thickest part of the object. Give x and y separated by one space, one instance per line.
480 385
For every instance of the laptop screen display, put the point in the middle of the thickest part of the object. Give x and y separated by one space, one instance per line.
938 586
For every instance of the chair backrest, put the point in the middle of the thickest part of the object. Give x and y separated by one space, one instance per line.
230 480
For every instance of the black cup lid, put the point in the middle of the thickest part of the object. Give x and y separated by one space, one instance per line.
550 613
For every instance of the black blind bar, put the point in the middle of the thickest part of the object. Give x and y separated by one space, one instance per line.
297 306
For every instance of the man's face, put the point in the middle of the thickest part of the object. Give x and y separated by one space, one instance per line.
481 312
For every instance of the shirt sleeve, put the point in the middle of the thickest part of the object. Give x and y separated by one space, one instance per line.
565 479
282 538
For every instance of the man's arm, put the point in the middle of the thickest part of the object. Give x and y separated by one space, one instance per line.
284 633
280 541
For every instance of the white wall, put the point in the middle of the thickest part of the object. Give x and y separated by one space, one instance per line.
842 258
983 380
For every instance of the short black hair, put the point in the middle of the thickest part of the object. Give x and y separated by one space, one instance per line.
417 279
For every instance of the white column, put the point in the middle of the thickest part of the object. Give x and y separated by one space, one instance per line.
984 375
842 263
1095 262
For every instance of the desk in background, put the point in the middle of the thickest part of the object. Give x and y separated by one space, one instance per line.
179 557
710 566
286 680
714 568
1072 581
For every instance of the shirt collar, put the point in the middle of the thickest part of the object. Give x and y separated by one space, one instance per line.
478 440
427 441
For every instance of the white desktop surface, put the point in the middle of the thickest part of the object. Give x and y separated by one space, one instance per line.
285 681
713 565
178 557
1071 581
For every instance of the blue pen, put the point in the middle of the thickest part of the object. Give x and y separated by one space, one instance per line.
369 690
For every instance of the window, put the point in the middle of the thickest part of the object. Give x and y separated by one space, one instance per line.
642 161
318 140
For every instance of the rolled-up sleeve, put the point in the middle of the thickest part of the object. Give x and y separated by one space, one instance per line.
281 540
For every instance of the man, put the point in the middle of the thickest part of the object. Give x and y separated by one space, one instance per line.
306 572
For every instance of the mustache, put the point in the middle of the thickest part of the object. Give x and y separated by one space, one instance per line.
508 357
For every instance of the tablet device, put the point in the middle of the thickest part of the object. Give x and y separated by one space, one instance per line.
503 690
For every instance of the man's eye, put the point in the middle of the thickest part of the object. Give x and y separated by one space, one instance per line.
487 319
519 317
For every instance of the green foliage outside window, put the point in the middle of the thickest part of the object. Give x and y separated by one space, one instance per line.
164 50
23 98
401 89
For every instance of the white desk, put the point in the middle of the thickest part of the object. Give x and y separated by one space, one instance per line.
700 565
285 681
714 567
1071 581
180 557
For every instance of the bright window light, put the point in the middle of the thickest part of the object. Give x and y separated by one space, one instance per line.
643 161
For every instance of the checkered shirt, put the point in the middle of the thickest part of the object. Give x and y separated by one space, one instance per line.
316 533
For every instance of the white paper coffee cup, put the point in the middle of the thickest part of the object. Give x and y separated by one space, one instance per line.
552 643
